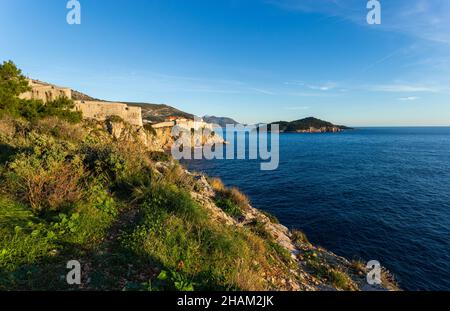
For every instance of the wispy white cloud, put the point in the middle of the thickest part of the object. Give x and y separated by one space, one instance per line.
158 82
409 98
427 19
343 88
316 87
262 91
404 88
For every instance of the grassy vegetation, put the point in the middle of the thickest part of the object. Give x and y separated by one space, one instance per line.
324 271
149 128
299 237
231 201
61 197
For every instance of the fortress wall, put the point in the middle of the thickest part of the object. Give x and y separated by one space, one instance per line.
90 109
102 110
133 115
163 124
196 125
46 92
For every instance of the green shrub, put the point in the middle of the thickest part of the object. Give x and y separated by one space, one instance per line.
61 108
47 177
159 156
172 280
175 175
323 271
259 228
105 162
149 128
23 238
115 119
175 280
299 237
103 200
238 198
232 201
282 252
339 279
359 266
60 129
176 201
229 207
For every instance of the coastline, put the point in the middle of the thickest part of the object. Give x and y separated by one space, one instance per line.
315 263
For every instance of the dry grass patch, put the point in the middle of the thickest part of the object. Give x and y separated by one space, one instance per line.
239 198
299 237
217 184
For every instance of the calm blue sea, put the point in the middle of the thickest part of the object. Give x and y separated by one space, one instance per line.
371 193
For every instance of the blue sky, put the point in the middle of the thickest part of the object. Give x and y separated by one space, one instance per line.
253 60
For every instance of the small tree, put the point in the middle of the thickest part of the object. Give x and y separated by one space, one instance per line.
12 84
62 108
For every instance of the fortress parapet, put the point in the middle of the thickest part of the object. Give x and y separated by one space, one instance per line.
99 110
45 92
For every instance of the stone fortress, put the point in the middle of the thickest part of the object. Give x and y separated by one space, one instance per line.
102 110
45 92
98 110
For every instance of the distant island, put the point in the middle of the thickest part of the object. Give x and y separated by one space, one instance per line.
308 125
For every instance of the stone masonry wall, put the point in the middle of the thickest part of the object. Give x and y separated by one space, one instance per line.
45 92
102 110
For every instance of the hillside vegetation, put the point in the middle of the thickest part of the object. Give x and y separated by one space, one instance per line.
70 192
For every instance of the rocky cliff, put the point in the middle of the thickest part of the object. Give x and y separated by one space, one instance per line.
313 267
159 139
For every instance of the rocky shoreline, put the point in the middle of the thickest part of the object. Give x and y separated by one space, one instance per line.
313 264
315 267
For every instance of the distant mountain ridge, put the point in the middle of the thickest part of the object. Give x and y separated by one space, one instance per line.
159 112
150 112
